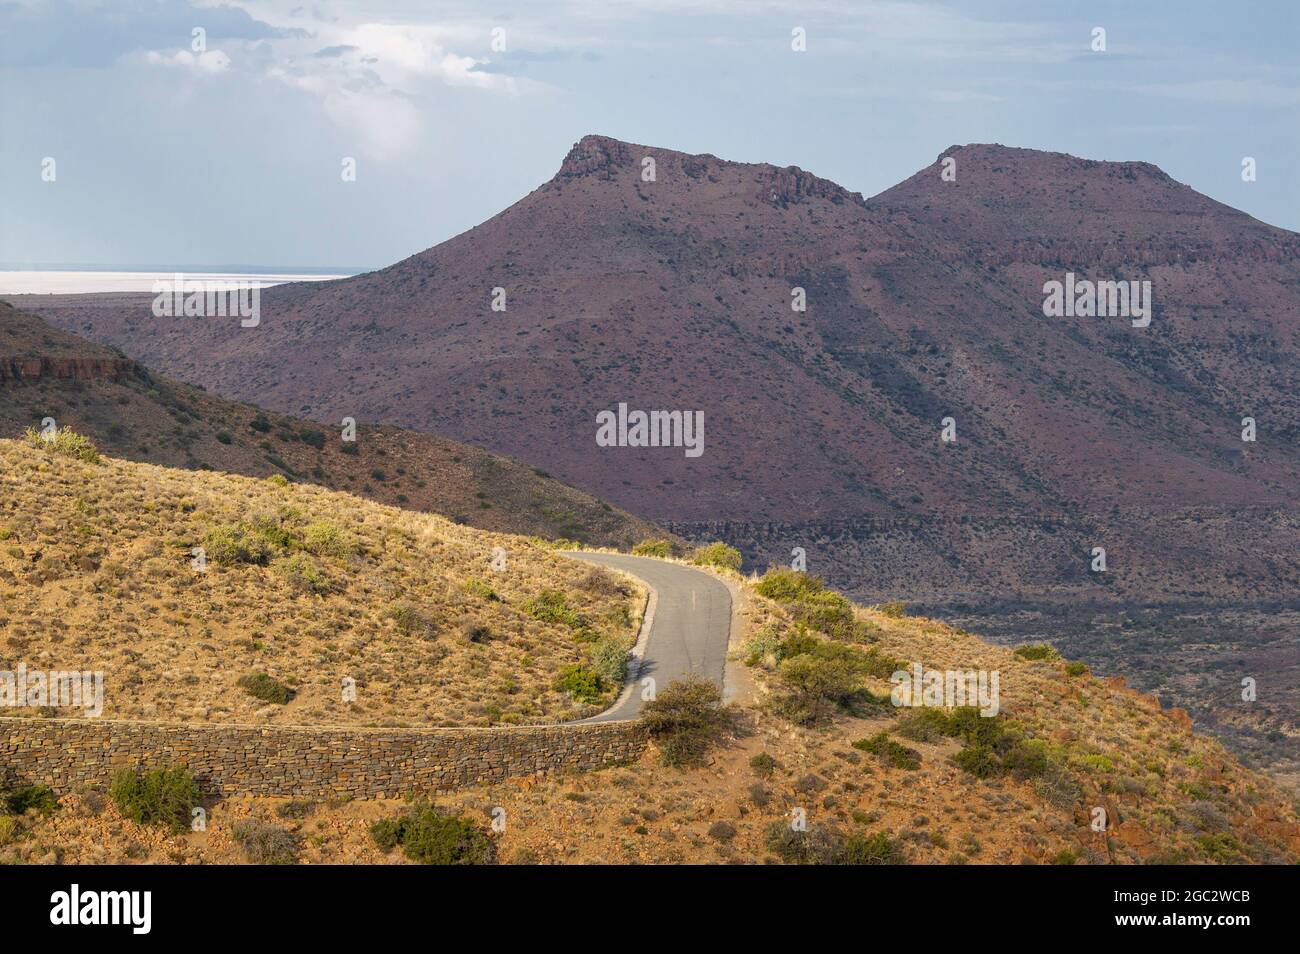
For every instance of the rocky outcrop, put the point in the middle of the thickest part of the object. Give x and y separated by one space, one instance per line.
79 369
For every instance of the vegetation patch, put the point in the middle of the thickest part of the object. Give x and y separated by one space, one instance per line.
432 837
163 796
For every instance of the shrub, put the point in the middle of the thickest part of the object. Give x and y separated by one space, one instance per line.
717 554
326 538
817 845
653 548
875 849
278 480
1076 669
894 609
1036 651
305 574
600 582
10 830
432 837
817 678
237 543
260 424
581 682
925 724
66 443
223 437
552 606
297 808
478 588
891 753
685 719
811 604
312 437
763 765
609 661
159 796
264 687
762 646
410 620
264 843
38 797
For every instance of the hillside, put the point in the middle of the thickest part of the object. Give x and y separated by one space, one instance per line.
300 588
134 413
822 428
815 733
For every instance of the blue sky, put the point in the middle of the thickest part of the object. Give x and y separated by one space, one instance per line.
232 155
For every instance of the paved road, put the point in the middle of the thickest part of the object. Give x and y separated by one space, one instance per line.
688 633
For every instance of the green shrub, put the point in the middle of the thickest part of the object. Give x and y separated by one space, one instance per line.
925 724
432 837
305 574
159 796
717 554
685 718
552 606
762 646
264 843
763 765
581 682
608 658
64 442
260 424
653 548
328 539
1036 651
264 687
223 437
312 437
875 849
38 797
812 604
891 753
1076 669
278 480
478 588
816 678
237 543
894 609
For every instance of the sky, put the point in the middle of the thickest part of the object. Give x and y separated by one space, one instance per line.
228 149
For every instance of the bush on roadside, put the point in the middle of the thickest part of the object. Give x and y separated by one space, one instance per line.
580 681
608 660
653 548
717 554
685 719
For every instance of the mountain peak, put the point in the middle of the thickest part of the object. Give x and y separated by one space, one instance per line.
604 157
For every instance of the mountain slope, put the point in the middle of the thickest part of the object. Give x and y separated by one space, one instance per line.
300 584
132 412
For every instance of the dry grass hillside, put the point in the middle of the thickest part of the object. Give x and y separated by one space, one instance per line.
812 735
134 413
301 588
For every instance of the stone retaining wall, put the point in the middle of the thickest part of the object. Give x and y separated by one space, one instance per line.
302 760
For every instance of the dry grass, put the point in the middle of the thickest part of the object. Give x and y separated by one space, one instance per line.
96 573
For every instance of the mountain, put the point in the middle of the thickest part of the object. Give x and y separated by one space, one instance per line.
823 427
135 413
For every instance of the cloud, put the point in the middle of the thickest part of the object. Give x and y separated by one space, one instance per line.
208 62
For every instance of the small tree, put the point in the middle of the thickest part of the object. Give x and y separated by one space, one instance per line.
685 719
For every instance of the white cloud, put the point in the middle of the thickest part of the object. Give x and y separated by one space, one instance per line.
209 62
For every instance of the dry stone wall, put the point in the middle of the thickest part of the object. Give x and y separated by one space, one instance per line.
305 761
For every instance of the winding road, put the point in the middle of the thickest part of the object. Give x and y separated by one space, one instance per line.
686 630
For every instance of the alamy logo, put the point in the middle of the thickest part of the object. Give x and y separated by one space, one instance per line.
651 429
56 688
1086 299
948 688
187 298
103 907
